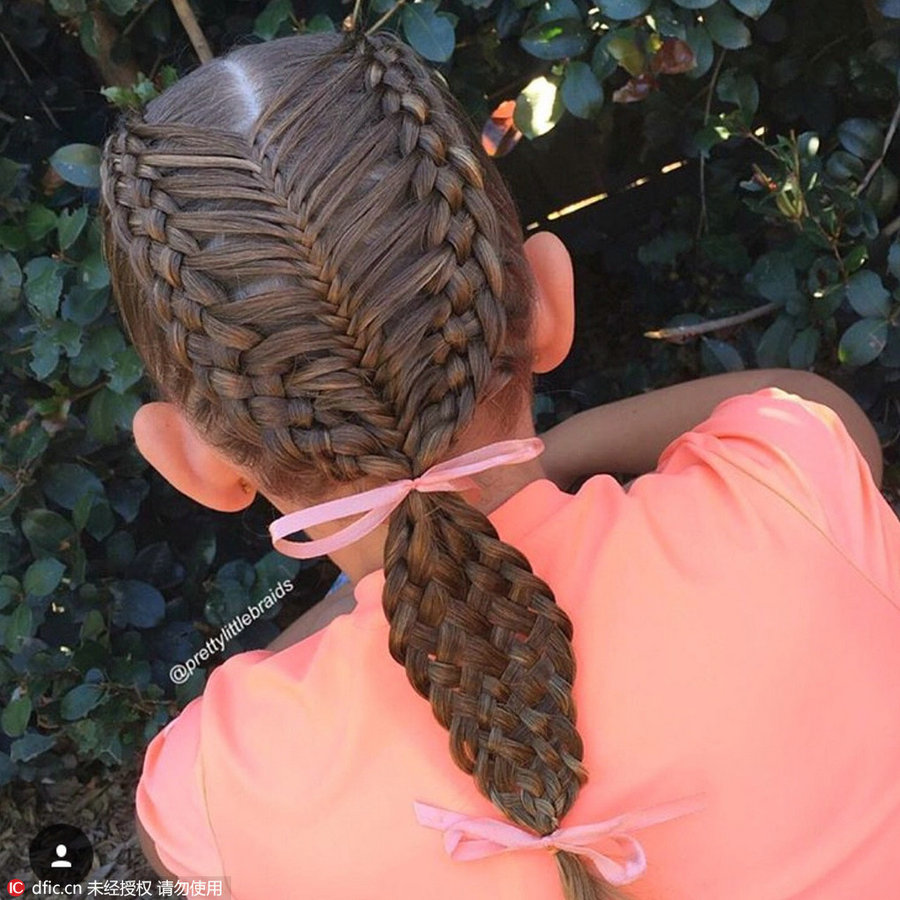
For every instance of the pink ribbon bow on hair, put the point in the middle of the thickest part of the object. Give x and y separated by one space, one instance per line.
379 503
468 837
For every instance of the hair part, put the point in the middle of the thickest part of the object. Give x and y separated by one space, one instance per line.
319 265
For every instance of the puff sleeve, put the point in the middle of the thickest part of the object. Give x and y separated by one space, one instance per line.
801 450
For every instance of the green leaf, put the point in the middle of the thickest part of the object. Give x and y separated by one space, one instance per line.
555 40
719 356
863 342
67 483
321 23
13 237
622 46
774 278
624 9
603 64
539 107
10 283
43 576
694 4
78 702
19 627
39 221
46 532
11 175
120 7
137 603
867 295
44 355
805 348
79 164
741 89
775 344
126 370
43 285
93 272
68 335
126 496
704 52
753 8
889 8
665 248
882 192
551 10
93 625
843 166
100 521
894 259
581 91
108 410
15 716
862 137
68 8
270 20
808 144
890 357
30 746
430 33
69 226
725 28
82 510
83 306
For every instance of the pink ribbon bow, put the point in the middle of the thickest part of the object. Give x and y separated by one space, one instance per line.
467 837
380 502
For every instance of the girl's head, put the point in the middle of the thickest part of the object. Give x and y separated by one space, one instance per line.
324 273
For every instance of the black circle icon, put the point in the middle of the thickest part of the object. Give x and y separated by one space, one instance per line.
61 854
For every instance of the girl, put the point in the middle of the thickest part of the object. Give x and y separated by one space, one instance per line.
325 275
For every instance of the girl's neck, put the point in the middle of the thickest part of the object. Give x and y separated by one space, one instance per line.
496 487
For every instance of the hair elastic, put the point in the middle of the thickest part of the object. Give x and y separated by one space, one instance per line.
379 503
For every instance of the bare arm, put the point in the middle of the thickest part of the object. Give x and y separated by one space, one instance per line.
629 435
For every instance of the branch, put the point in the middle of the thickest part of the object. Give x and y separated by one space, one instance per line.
355 17
27 78
189 22
123 74
891 228
683 333
385 17
703 223
889 137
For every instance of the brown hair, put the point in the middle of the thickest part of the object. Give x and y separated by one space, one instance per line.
322 268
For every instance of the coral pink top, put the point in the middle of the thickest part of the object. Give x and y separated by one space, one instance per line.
737 632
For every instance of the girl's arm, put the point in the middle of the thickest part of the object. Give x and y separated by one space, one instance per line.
628 436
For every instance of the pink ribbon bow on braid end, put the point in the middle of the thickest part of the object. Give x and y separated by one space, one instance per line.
468 837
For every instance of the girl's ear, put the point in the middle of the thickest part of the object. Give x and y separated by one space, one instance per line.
553 325
169 443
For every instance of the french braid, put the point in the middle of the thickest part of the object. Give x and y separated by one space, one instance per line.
312 337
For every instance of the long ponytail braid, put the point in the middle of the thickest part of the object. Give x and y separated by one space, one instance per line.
342 313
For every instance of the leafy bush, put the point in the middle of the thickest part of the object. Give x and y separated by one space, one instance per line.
784 254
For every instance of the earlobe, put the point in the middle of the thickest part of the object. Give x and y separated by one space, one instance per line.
168 442
553 324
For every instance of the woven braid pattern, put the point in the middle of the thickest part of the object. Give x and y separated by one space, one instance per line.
479 634
322 378
210 335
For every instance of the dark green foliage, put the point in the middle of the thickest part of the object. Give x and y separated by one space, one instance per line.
783 111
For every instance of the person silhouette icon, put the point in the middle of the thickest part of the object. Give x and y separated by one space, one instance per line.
61 854
60 863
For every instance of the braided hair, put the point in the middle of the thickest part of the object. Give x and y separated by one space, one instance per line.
322 268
